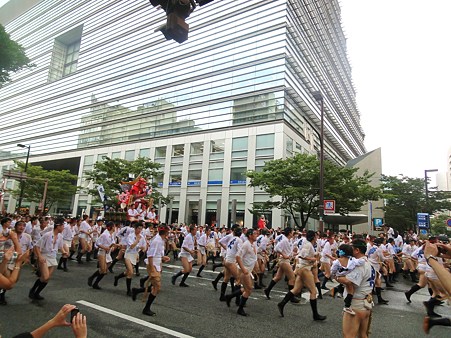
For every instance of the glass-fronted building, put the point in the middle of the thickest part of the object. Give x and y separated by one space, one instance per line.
236 94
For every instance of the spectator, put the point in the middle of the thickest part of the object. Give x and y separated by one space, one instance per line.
78 325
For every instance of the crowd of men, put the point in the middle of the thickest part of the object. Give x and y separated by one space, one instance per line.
361 264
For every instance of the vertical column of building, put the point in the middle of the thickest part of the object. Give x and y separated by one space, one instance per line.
224 219
204 183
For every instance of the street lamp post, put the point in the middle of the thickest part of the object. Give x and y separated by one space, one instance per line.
426 187
319 97
25 170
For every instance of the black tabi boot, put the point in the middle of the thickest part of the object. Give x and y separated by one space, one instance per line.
260 280
241 306
182 283
380 300
269 288
413 277
65 264
116 278
79 256
387 283
33 289
96 283
41 287
60 264
430 322
200 270
88 256
295 299
429 305
314 306
147 311
412 290
174 278
71 254
129 285
232 283
323 286
113 263
91 278
284 301
318 287
143 281
236 293
136 291
223 291
216 281
2 297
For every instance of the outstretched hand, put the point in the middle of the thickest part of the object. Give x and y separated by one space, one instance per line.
60 317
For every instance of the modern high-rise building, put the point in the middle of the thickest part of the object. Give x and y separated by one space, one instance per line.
237 93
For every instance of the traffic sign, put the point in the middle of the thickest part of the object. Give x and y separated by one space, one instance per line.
423 220
448 222
423 232
329 206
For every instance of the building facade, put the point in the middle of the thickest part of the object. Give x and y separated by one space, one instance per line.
236 94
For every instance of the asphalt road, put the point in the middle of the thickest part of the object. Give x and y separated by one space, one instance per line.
196 311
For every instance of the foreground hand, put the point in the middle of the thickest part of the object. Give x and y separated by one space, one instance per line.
60 317
79 326
430 249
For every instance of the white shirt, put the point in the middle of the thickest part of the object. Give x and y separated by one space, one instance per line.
262 242
188 243
202 240
105 239
131 239
283 246
48 245
25 242
156 251
248 254
232 249
363 278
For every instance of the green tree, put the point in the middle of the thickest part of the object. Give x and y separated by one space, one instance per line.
405 197
294 185
111 172
62 185
12 56
438 225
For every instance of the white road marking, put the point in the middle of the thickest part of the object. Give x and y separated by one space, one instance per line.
133 319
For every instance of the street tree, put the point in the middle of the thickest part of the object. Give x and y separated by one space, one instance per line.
438 225
62 185
405 197
12 57
293 185
111 172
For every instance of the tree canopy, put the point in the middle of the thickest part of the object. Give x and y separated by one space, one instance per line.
62 185
405 197
111 172
12 56
293 185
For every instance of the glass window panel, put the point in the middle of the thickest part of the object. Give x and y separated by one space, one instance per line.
215 174
215 165
265 141
175 178
236 154
178 150
115 154
239 164
89 160
160 152
264 152
197 148
194 175
239 143
101 157
238 174
144 152
130 155
217 146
